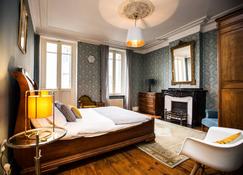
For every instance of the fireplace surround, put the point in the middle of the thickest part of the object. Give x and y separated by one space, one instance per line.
193 98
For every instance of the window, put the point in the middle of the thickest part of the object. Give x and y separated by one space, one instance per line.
117 72
58 61
51 65
66 66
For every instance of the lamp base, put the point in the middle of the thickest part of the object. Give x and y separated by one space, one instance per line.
43 135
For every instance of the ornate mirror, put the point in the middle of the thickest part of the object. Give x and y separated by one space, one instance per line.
183 63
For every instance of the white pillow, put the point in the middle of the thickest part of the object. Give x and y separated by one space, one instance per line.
60 120
40 123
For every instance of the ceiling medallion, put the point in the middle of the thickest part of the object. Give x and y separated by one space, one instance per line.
136 9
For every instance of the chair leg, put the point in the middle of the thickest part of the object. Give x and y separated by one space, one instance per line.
195 168
202 127
203 169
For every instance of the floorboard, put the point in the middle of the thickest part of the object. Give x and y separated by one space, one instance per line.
129 161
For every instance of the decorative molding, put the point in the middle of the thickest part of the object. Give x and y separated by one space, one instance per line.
39 14
172 37
209 26
184 28
34 6
153 46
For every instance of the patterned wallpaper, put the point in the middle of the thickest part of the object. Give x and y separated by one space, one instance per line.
157 65
209 62
137 77
88 74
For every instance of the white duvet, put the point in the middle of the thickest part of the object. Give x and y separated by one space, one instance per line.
92 124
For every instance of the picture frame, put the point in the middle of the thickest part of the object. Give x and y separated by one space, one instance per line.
23 27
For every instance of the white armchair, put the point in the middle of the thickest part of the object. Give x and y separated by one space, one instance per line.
222 157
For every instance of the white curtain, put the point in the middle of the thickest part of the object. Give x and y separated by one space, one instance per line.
104 55
129 55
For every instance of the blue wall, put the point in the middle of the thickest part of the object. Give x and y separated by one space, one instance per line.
11 57
137 76
88 74
157 65
209 65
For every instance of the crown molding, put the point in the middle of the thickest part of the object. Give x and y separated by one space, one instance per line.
172 36
186 27
164 40
39 14
34 6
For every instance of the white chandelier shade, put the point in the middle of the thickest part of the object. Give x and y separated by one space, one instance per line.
135 37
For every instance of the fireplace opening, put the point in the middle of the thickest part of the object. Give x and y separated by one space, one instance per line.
178 112
179 107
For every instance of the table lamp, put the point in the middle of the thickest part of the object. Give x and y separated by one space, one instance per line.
39 104
150 83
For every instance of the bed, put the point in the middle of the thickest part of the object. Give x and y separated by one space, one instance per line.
74 148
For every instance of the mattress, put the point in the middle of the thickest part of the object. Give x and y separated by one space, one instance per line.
93 124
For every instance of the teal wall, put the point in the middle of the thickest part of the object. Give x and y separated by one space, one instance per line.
88 74
137 67
209 68
11 57
157 65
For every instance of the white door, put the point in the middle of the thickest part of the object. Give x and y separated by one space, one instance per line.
58 69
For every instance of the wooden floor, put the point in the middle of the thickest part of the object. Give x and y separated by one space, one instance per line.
128 161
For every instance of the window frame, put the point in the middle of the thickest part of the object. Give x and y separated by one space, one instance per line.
115 51
43 54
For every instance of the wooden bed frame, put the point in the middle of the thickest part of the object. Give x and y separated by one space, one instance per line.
66 151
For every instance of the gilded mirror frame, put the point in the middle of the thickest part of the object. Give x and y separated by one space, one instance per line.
192 49
23 27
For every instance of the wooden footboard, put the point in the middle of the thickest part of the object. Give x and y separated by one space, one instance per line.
67 151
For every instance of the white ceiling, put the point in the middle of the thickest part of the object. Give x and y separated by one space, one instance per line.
95 21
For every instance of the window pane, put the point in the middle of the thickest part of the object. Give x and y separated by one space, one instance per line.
51 70
118 88
51 47
66 71
110 69
66 49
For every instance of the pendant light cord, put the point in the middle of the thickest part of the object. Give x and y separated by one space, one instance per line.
135 17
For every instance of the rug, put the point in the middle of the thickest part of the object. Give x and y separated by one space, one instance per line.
169 138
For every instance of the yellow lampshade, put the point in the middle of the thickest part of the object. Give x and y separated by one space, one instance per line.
40 105
135 43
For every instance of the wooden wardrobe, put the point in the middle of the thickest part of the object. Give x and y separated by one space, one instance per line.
230 59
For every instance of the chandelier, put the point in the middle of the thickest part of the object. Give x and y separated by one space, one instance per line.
136 10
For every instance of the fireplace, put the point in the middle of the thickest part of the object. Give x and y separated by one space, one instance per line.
180 107
176 112
185 101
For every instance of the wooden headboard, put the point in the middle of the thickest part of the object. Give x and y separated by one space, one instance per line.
25 83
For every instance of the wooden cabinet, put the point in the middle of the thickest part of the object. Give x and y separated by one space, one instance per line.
149 102
230 50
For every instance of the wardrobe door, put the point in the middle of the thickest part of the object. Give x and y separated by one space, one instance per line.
232 108
230 42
